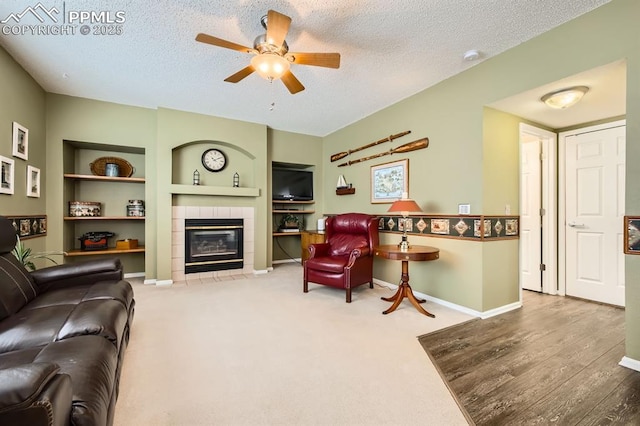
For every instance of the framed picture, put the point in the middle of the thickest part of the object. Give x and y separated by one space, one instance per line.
389 181
33 182
632 234
20 141
6 175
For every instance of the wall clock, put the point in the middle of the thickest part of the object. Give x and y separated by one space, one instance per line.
214 160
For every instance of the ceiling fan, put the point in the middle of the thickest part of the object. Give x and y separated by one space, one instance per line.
272 58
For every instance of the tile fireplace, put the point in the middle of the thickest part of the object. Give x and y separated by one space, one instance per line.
181 214
213 244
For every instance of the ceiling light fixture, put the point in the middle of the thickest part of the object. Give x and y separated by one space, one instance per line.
270 66
564 98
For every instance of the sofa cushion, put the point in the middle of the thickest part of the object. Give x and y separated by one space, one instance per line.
104 290
32 328
37 327
334 264
105 318
16 285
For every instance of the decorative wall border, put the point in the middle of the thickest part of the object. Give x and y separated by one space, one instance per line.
29 226
632 234
462 227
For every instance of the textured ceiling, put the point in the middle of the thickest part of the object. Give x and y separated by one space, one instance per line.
391 49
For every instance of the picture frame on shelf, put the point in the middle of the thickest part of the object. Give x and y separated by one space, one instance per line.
33 182
20 141
7 174
389 181
632 234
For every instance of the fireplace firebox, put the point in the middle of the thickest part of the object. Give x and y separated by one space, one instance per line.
213 245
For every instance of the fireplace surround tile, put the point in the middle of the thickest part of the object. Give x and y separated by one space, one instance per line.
180 213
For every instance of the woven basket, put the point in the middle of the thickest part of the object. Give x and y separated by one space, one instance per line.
125 169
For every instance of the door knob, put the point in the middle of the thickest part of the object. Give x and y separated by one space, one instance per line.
575 225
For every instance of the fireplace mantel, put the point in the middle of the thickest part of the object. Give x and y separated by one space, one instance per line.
226 191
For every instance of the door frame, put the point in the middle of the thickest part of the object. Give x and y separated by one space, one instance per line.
548 148
562 214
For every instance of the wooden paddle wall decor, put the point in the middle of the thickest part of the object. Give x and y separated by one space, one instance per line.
341 155
407 147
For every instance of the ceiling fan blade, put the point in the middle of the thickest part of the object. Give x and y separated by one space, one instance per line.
328 60
292 83
244 72
277 27
206 38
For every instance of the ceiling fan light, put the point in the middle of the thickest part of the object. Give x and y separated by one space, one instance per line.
270 66
564 98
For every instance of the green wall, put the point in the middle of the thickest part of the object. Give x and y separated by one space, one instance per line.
23 101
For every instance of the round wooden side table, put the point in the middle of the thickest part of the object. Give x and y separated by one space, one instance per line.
415 253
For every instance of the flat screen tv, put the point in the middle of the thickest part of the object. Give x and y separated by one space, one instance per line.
290 184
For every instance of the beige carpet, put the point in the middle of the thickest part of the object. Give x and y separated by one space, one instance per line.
258 351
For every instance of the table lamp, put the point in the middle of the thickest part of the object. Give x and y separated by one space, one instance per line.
404 205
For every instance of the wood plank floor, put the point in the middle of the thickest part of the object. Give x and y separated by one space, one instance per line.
555 361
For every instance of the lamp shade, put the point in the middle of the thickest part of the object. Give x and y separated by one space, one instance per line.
405 206
270 66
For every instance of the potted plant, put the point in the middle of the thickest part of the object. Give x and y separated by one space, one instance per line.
25 256
290 221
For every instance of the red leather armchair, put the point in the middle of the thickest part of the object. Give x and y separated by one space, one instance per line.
345 260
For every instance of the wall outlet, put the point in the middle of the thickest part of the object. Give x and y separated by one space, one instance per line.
464 208
507 209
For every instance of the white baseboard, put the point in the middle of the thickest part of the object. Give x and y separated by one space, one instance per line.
161 283
277 262
134 275
631 363
151 281
262 271
500 310
455 307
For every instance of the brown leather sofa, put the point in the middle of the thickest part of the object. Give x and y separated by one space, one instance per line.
345 260
63 333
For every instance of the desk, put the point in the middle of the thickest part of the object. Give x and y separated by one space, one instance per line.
415 253
310 237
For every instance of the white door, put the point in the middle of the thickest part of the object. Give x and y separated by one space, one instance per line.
530 219
595 170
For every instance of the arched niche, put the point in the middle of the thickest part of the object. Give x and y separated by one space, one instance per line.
186 158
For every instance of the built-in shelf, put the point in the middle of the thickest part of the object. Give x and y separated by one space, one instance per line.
72 253
104 178
294 211
292 202
227 191
283 208
104 218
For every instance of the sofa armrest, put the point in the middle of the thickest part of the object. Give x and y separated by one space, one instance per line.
78 273
318 250
356 254
35 394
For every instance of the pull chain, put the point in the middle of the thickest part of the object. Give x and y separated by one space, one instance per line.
272 105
